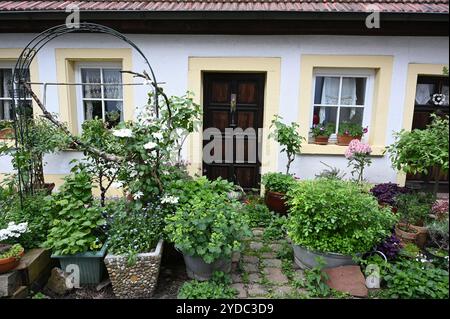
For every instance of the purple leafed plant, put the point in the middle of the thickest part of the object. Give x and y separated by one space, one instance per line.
386 192
390 247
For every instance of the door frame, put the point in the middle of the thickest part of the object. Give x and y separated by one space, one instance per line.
271 67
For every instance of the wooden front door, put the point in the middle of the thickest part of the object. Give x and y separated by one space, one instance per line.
234 102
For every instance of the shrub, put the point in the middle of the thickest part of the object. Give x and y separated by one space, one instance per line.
413 208
386 192
335 216
206 223
218 287
77 220
438 231
411 279
278 182
133 231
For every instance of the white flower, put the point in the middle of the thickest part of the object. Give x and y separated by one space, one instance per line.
117 185
169 200
157 136
150 145
138 195
124 132
13 230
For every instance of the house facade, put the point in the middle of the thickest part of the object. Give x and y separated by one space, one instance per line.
309 61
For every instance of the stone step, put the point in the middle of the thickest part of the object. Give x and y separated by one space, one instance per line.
35 267
9 283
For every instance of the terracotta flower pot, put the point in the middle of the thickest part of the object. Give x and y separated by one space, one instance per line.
7 264
276 202
406 236
321 140
422 235
344 140
6 133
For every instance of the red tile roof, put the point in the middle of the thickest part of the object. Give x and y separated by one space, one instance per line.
393 6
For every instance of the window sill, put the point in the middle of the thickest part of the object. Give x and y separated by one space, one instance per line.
333 149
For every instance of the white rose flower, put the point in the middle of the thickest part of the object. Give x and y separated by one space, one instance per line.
157 136
138 195
150 145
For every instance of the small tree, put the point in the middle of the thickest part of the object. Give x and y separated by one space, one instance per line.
288 137
418 151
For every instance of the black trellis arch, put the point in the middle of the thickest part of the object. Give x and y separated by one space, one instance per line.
21 109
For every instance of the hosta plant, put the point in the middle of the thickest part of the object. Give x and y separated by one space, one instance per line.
335 216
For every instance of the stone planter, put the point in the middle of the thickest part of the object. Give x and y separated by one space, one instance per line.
345 140
422 235
406 236
139 280
306 259
275 202
198 269
90 264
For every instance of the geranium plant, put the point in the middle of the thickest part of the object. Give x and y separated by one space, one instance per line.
334 216
352 129
323 130
358 155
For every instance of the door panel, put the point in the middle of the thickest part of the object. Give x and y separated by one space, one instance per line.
234 103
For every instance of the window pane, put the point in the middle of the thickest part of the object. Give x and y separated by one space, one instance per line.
113 113
353 91
325 115
351 115
92 110
445 92
112 91
5 82
424 93
91 76
6 110
327 90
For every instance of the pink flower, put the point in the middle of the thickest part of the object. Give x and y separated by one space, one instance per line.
357 147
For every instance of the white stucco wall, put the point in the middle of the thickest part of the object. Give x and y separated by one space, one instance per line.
169 54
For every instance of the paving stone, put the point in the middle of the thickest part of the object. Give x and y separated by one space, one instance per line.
347 279
236 278
276 263
283 290
258 232
250 268
276 276
236 257
242 293
254 278
254 245
269 255
250 259
256 290
275 247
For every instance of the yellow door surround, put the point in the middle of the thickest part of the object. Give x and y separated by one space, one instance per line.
11 55
271 67
65 73
382 65
414 71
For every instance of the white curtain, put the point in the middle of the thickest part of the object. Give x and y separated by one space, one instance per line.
423 93
112 91
445 93
90 91
330 94
7 81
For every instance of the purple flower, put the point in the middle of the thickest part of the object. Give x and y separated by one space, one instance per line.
390 247
365 130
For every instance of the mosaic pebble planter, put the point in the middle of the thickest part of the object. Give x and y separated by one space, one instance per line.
139 280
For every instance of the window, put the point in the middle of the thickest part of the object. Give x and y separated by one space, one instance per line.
6 74
103 100
341 97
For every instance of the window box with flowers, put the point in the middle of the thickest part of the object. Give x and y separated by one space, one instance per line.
322 133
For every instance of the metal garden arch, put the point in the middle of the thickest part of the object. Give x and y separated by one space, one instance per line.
20 92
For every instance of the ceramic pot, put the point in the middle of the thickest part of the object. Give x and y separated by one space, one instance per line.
275 202
321 140
345 140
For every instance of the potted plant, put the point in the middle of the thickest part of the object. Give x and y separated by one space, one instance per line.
413 209
276 186
76 236
6 129
10 254
322 132
207 227
334 220
438 231
350 131
135 249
